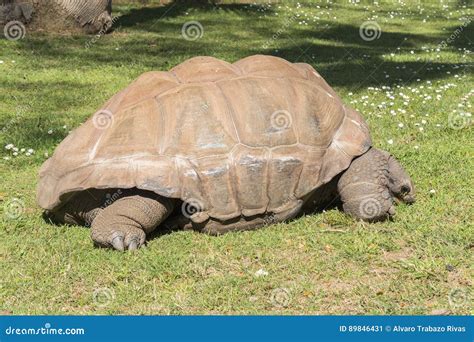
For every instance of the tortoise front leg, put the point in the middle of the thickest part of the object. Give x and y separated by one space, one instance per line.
125 223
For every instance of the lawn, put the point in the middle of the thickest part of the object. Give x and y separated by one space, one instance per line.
412 81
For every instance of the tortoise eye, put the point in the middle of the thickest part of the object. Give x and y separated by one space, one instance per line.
405 189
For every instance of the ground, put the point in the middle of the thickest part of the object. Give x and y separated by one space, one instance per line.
411 78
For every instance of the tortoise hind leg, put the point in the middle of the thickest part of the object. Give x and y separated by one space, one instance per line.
80 209
125 223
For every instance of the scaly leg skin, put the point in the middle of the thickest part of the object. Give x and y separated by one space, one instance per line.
81 208
125 223
370 185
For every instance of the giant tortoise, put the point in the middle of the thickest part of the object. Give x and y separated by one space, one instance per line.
218 147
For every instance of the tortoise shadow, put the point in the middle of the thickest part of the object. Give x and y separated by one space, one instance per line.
144 16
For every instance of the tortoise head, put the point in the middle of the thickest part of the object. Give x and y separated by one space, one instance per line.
400 182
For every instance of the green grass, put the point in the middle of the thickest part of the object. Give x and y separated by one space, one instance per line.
327 263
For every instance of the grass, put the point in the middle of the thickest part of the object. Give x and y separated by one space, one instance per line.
328 263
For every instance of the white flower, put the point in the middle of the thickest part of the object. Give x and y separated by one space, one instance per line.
15 149
50 131
432 191
261 273
390 141
30 150
1 62
22 150
6 158
15 153
400 125
9 146
421 129
416 147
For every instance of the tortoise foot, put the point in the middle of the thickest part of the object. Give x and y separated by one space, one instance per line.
118 237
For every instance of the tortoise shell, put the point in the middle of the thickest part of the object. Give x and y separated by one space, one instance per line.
248 138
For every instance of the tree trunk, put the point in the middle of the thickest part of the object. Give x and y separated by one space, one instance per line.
58 15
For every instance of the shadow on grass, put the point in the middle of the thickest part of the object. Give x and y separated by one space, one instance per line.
146 16
336 50
41 128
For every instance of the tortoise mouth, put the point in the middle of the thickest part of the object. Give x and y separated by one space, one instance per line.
405 194
407 198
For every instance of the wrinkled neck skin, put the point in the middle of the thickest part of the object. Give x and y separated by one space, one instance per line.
399 182
372 184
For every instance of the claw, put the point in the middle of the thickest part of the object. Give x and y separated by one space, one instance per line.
391 211
133 245
117 243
